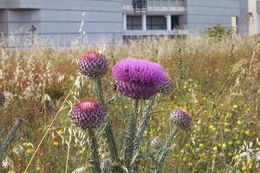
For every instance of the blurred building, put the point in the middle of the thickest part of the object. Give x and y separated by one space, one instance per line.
249 19
62 22
176 17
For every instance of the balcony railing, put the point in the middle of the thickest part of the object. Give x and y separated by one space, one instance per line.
139 5
154 5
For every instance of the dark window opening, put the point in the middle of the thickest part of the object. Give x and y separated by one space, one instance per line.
175 22
134 22
156 23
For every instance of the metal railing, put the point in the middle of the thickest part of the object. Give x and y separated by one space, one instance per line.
143 4
139 5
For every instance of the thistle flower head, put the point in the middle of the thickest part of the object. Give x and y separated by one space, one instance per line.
88 114
156 143
2 99
135 90
138 78
181 118
93 64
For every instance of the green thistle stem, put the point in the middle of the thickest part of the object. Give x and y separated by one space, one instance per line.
151 154
108 128
140 132
162 156
94 151
99 90
131 135
10 138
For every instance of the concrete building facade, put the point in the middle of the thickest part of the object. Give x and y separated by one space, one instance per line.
61 22
249 19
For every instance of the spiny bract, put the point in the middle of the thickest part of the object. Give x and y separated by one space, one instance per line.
88 114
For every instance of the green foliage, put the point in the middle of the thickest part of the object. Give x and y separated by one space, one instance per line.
219 31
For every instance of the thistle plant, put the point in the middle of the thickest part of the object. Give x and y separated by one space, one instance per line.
182 120
140 80
12 134
88 114
2 99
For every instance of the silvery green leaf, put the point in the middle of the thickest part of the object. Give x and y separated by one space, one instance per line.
257 155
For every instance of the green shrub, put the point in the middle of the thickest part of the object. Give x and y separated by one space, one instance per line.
219 31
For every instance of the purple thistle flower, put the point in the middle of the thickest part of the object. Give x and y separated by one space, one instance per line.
135 90
138 78
181 118
2 99
88 114
93 64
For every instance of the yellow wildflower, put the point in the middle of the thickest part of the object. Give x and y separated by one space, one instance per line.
239 122
11 171
230 142
244 168
247 132
55 143
61 132
29 151
238 142
235 106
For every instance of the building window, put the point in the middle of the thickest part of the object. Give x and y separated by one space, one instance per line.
134 22
175 22
156 23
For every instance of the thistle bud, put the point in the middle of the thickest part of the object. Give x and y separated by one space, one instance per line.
166 87
181 118
88 114
2 99
93 64
106 165
156 143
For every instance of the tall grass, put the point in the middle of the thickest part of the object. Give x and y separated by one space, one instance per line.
217 81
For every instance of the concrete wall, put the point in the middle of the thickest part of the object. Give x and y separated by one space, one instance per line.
206 13
258 17
243 20
64 21
254 21
3 19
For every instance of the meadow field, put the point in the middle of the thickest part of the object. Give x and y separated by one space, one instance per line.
216 80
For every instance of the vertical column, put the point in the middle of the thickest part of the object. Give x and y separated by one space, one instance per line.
144 22
124 22
169 22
